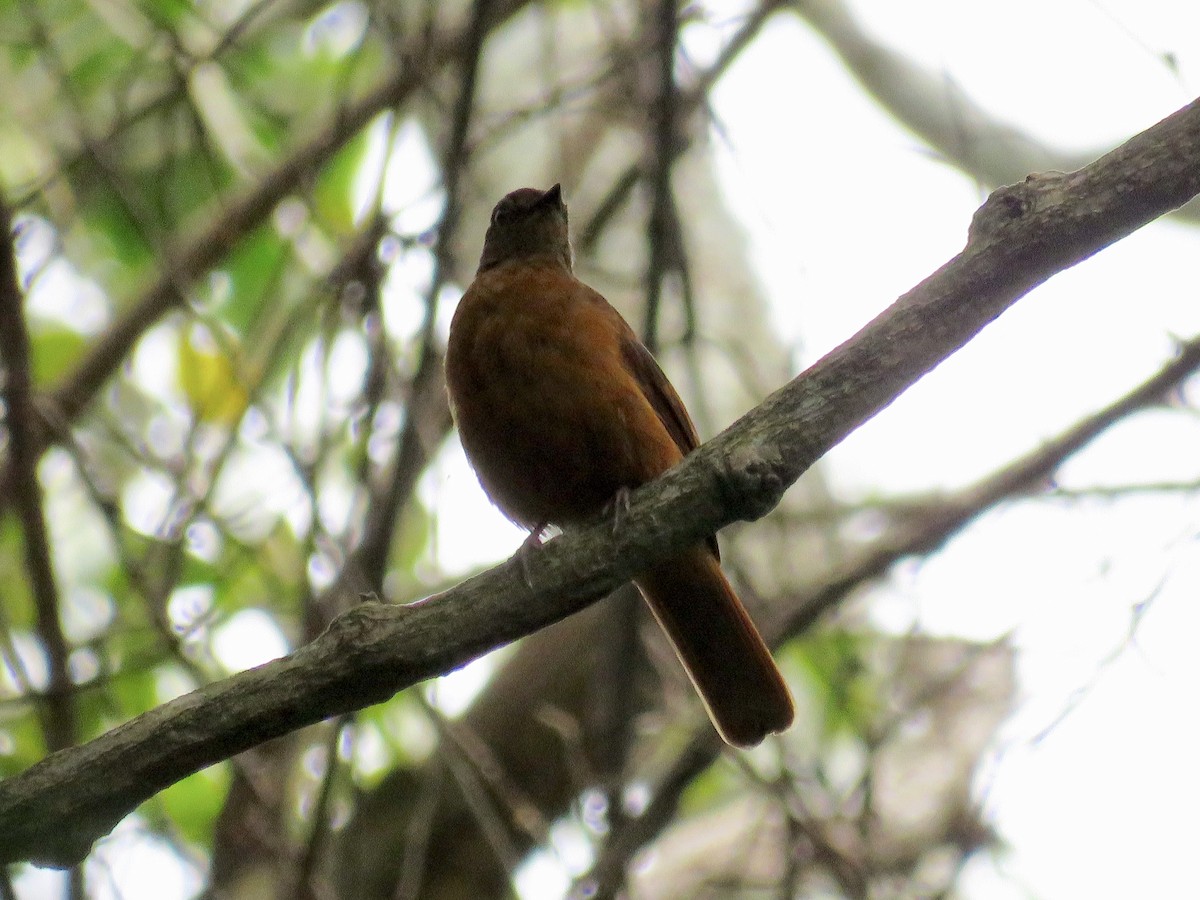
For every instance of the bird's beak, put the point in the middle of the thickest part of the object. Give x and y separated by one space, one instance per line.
553 196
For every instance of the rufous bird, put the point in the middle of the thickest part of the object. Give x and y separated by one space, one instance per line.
561 410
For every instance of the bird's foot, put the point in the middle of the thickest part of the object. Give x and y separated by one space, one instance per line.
532 541
617 507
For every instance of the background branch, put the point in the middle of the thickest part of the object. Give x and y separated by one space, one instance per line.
937 109
58 723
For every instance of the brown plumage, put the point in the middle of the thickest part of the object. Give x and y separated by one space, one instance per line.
560 407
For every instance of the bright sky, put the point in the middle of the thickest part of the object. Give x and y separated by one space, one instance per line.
1093 783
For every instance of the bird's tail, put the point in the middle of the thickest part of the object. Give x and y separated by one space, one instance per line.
720 648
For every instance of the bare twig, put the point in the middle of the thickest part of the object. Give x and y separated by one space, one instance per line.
420 827
936 108
414 446
318 835
695 96
193 258
662 229
608 874
926 533
58 722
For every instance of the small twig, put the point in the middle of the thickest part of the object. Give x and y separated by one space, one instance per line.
454 164
1119 491
318 835
662 227
242 215
925 533
688 101
608 874
146 107
474 776
418 832
937 109
20 419
612 698
371 558
461 744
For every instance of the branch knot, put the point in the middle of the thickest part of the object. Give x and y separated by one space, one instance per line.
751 480
1013 202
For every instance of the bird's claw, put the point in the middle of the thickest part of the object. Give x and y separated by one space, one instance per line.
617 507
532 541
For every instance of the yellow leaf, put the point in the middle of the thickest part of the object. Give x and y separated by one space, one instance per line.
209 376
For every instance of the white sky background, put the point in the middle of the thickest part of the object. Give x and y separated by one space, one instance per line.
1093 784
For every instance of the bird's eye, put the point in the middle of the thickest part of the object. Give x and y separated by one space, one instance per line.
500 214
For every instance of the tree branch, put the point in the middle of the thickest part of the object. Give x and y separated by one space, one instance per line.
1024 234
58 723
925 532
427 387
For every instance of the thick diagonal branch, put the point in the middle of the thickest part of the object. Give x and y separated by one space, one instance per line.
1021 237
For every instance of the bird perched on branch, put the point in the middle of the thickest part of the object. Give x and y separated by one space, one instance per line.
561 409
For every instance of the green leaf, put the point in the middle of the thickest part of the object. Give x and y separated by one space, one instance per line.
193 804
21 743
411 542
168 12
253 269
16 599
839 679
96 70
334 192
135 690
56 349
211 378
105 240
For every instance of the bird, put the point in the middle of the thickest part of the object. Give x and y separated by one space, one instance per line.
562 411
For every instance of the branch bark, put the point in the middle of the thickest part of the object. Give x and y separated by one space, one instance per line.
1023 235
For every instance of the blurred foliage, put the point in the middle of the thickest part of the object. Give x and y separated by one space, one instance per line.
126 128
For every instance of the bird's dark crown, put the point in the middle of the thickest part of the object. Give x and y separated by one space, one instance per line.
529 225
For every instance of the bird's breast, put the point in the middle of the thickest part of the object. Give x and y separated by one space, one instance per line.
550 417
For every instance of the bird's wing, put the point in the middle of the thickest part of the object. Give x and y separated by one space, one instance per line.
661 394
664 399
